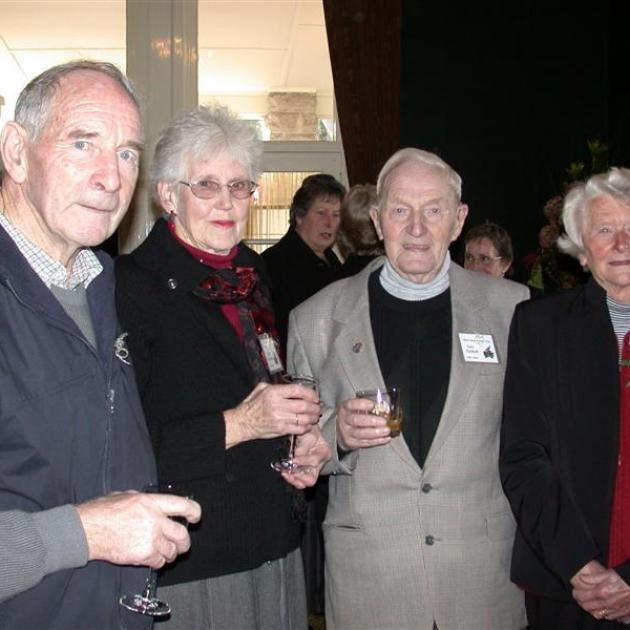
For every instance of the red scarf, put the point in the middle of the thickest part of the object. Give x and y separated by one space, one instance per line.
214 261
243 301
619 539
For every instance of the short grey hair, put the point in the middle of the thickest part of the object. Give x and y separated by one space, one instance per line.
32 108
411 154
36 100
203 133
613 183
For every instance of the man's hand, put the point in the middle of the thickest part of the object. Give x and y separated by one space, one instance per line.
135 528
602 592
358 428
311 453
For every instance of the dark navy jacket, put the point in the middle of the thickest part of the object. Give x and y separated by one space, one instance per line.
71 429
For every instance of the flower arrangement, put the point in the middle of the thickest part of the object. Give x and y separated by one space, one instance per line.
550 270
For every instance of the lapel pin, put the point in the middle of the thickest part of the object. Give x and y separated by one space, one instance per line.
356 348
121 350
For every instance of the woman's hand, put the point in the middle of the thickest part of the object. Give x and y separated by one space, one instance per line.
311 453
602 592
271 411
358 428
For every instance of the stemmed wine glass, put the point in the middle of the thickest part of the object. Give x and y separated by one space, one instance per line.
148 603
286 463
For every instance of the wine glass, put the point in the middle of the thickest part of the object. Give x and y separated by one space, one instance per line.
286 463
148 603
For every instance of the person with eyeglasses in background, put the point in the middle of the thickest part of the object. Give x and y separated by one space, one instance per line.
488 248
195 303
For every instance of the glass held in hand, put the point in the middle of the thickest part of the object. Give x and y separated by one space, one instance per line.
387 405
147 602
285 463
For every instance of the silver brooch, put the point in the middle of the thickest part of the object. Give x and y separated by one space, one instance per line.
120 349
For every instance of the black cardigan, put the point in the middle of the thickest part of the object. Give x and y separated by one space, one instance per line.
560 437
190 367
296 273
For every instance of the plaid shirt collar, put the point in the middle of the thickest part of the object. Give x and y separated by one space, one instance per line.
52 273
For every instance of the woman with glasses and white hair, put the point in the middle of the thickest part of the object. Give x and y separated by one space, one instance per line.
195 304
565 451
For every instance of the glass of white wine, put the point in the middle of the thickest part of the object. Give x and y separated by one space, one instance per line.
286 463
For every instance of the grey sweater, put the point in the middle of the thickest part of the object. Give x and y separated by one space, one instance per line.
33 545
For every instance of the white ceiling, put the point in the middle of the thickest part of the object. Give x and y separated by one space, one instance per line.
246 47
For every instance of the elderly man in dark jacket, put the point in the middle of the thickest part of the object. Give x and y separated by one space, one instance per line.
73 440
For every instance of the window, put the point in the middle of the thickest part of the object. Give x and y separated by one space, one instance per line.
269 213
269 62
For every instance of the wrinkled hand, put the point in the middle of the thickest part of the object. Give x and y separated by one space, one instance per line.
271 411
600 590
135 528
358 428
311 453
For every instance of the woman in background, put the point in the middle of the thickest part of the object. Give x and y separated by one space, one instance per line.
488 249
357 239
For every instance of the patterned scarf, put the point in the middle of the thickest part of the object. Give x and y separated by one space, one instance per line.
244 301
240 286
619 536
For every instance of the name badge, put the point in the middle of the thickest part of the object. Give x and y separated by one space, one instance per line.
270 352
478 348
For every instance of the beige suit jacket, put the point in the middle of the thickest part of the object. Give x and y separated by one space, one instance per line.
408 547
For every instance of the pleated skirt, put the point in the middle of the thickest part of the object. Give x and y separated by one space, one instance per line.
270 597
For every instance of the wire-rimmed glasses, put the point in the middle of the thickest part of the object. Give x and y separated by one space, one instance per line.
208 188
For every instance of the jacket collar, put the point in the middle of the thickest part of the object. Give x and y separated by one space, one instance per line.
297 245
25 284
178 273
357 353
176 268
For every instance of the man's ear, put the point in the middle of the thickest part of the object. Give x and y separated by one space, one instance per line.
166 194
377 225
13 149
460 219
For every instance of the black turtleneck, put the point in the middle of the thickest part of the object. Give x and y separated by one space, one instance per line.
413 344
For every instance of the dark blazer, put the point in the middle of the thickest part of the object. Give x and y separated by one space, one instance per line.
190 367
296 273
560 437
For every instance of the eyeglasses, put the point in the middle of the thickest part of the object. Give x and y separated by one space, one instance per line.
208 189
482 259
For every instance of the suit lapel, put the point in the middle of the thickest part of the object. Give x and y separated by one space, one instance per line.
356 350
467 314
